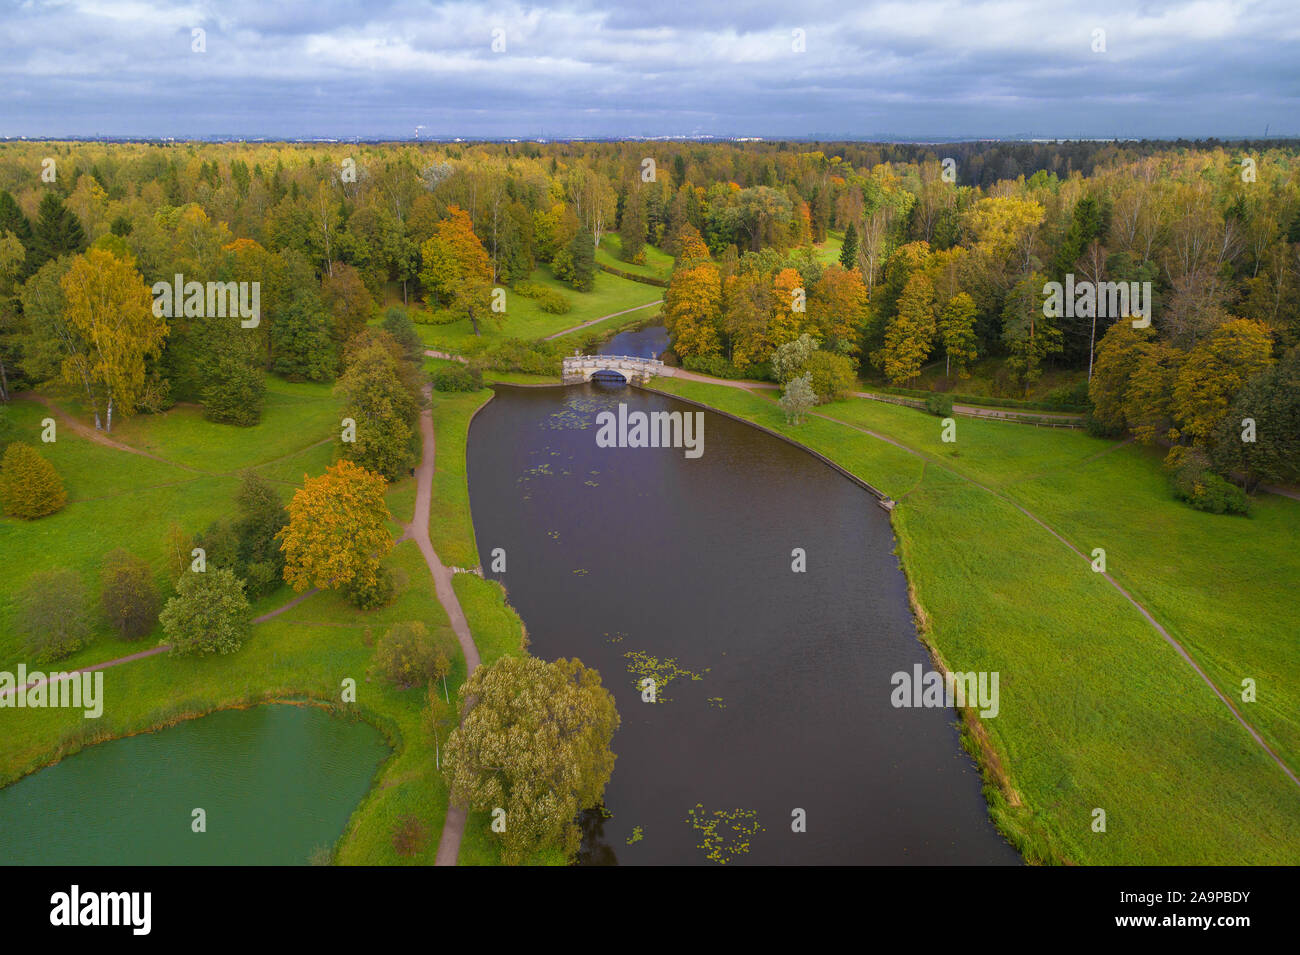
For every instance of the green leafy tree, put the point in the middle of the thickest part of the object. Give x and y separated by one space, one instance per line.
52 615
128 597
534 740
384 411
1260 434
798 398
1030 335
397 322
789 360
302 348
209 613
407 655
29 485
259 517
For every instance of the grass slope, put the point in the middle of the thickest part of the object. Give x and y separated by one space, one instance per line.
1098 711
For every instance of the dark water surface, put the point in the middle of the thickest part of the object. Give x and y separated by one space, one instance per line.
275 781
648 342
612 551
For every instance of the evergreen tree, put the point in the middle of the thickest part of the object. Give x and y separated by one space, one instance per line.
583 251
57 232
849 251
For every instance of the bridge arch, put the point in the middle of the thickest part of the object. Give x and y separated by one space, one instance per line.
631 369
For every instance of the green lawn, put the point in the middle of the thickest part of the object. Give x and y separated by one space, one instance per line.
524 319
1098 711
120 499
658 264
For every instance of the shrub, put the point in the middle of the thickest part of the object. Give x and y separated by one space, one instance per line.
1100 429
1069 396
372 596
29 485
714 365
553 303
129 600
939 404
515 354
52 615
407 656
832 375
410 835
209 613
455 376
1191 480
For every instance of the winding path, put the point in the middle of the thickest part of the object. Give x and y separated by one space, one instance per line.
597 321
453 827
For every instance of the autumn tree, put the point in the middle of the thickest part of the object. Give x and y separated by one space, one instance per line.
457 271
337 535
957 329
29 485
348 299
1215 371
52 615
533 740
1118 354
127 595
837 308
109 306
908 338
693 301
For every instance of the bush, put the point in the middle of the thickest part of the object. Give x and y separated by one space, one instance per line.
407 656
129 600
455 376
209 613
410 835
515 354
553 303
939 404
1191 480
29 485
52 615
832 375
372 596
1100 429
1068 397
713 365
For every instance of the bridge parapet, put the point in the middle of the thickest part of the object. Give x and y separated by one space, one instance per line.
633 369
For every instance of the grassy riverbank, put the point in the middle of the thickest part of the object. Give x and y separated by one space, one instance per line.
1098 711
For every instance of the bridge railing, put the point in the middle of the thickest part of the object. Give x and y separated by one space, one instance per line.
600 358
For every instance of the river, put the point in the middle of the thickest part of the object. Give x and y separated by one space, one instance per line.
773 708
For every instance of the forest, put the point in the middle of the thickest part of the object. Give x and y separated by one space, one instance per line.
892 259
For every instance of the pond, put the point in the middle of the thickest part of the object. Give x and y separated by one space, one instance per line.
772 687
275 783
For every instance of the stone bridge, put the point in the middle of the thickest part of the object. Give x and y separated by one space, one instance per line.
633 370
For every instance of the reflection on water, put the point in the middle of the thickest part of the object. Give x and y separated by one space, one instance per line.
773 687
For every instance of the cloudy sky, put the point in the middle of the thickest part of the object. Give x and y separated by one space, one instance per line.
899 69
